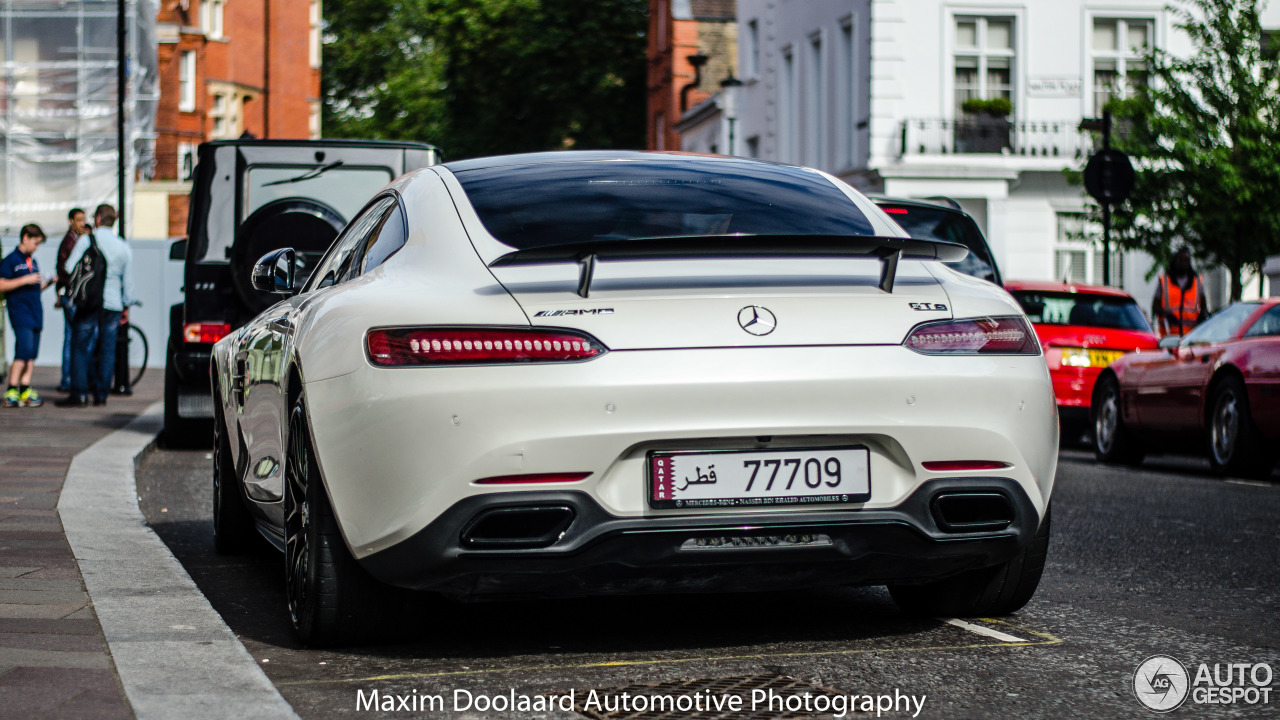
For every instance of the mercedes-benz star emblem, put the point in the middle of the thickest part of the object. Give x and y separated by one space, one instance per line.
757 320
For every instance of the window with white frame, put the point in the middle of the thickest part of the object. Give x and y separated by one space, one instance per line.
984 59
751 49
220 115
1078 255
211 18
815 115
187 81
1116 48
186 160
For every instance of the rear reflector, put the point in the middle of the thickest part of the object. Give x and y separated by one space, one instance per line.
532 478
952 465
1008 335
407 347
205 332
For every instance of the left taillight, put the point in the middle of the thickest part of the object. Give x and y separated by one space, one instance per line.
1005 335
410 347
205 332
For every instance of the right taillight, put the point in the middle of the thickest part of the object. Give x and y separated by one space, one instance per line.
410 347
1005 335
205 332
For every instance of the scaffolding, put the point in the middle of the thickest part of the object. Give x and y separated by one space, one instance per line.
58 118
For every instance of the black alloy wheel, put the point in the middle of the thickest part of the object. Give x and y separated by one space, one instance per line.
1235 446
233 526
983 592
1113 441
332 600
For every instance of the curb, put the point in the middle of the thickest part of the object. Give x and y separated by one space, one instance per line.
174 654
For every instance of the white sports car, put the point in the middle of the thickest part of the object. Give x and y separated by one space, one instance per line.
600 372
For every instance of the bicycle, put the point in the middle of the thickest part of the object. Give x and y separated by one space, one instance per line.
132 352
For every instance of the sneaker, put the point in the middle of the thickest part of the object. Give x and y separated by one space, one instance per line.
12 398
31 398
72 401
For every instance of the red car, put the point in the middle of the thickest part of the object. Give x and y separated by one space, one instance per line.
1217 388
1083 329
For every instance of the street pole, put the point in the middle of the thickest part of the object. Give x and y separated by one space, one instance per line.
1106 206
120 93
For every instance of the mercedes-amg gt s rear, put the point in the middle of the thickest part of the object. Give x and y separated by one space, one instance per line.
622 372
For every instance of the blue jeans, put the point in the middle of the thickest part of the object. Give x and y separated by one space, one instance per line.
68 317
97 330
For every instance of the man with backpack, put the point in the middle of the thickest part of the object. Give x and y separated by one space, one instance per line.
100 288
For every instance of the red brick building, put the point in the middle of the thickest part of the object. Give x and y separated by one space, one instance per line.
677 30
226 67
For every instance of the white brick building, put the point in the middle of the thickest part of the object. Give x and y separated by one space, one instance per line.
871 90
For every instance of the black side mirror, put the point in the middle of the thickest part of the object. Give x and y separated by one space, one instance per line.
1170 342
178 250
273 273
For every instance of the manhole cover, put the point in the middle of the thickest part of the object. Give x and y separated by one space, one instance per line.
755 697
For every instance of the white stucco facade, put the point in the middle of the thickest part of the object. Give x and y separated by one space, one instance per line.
870 90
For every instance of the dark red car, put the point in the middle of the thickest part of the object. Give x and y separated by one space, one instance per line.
1218 388
1083 329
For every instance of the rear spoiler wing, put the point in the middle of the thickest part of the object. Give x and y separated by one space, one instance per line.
888 250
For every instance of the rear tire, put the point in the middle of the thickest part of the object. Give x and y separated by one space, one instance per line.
1235 446
1113 441
331 599
984 592
233 527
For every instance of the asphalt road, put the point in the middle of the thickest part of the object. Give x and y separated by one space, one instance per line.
1161 560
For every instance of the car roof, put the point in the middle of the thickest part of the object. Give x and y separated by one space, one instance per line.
581 156
1044 286
320 142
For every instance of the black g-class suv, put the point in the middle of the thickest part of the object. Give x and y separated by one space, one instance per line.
250 197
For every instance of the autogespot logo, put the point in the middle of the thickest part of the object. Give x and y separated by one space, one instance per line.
1161 683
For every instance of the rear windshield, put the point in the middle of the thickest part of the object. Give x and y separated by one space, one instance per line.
1100 311
528 206
928 223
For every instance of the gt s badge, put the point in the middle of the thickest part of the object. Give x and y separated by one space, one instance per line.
927 306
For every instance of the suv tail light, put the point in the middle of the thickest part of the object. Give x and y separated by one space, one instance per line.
406 347
205 332
1007 335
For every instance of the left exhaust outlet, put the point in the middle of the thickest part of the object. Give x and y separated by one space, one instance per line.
513 528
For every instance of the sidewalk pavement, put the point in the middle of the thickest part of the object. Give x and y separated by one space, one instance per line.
53 654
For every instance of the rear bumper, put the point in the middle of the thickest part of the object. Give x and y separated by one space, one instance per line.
602 553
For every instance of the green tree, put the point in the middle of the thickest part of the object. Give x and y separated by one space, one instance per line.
483 77
1204 134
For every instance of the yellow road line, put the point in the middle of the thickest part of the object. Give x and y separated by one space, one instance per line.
1046 640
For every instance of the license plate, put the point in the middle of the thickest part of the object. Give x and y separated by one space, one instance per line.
1082 357
750 478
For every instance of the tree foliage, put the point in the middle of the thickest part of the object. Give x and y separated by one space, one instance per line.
1204 134
485 77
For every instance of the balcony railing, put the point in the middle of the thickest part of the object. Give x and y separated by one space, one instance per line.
995 136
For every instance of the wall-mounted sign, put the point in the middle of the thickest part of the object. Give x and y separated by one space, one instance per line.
1053 86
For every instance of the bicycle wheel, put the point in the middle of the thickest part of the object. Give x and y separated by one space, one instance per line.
138 353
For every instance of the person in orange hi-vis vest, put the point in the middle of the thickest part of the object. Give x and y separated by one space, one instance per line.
1179 304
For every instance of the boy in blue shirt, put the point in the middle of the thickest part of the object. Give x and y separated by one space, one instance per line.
21 283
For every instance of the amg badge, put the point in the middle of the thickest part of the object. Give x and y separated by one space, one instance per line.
927 306
584 311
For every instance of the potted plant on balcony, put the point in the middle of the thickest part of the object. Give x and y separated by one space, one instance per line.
985 127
